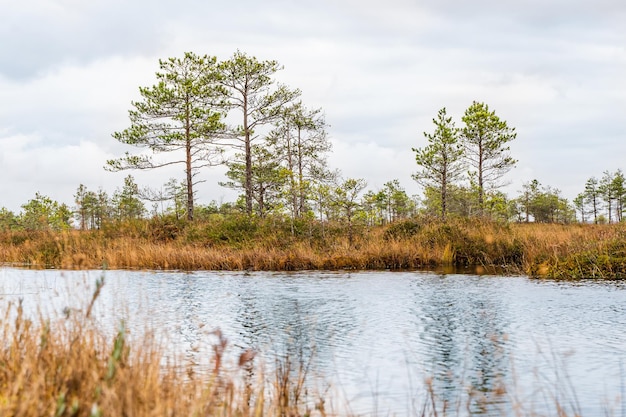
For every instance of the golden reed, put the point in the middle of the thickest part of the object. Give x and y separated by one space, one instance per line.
547 250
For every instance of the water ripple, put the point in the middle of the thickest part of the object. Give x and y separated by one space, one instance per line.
377 336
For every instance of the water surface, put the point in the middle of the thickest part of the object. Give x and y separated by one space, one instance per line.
376 337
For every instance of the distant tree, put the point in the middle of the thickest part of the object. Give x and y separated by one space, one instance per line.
43 213
103 209
250 88
173 192
373 204
619 192
485 138
515 210
345 198
462 201
87 210
579 205
553 208
544 204
389 204
441 159
496 206
529 197
607 193
611 190
301 143
179 115
592 197
127 202
8 220
321 197
396 202
81 206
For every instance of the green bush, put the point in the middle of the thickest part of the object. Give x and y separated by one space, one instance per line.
402 230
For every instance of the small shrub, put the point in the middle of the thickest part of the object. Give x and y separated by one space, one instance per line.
165 228
402 230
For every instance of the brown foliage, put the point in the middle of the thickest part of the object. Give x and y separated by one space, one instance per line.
552 250
71 368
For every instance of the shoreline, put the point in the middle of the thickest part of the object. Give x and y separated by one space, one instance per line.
537 250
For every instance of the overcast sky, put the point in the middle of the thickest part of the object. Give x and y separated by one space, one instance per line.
553 69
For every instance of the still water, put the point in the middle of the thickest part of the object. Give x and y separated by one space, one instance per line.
374 339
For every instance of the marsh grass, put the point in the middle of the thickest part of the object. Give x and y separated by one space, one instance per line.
541 250
69 367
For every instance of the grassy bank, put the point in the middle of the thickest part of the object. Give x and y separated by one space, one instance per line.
543 250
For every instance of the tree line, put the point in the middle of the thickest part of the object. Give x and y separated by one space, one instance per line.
463 168
202 112
477 153
343 203
602 200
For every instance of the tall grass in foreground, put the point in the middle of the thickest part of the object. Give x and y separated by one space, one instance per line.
551 250
70 367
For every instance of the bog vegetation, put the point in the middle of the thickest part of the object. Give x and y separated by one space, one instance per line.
238 242
296 212
69 367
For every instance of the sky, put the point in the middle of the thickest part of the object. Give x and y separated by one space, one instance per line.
553 69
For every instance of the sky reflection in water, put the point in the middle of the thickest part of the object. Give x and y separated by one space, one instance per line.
375 336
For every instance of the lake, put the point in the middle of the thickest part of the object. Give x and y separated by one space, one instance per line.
376 340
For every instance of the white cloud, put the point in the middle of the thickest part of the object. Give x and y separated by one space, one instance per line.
554 70
31 166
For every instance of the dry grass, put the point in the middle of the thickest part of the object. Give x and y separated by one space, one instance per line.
70 368
573 251
558 251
